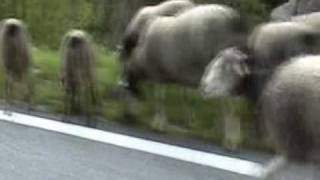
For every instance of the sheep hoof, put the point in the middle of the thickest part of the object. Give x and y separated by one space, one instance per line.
91 123
65 119
7 112
231 145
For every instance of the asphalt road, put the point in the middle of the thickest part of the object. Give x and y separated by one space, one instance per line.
33 154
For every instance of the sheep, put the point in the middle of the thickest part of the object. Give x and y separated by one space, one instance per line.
272 43
290 108
268 46
140 22
15 56
78 73
283 12
294 8
144 16
311 19
231 66
177 49
288 103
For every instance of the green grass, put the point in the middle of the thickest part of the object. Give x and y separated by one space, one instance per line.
187 113
46 79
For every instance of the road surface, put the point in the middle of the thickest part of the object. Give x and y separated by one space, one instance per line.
31 153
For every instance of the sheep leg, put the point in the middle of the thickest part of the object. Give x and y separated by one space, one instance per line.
131 83
94 105
29 93
160 118
67 107
274 167
8 83
190 115
232 126
73 102
93 97
89 111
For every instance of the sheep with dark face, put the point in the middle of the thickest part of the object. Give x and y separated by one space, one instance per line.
78 72
291 110
231 66
144 16
177 49
270 45
15 55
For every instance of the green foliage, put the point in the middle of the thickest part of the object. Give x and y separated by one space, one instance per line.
46 79
254 11
274 3
48 20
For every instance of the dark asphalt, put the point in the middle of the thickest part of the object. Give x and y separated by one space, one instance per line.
33 154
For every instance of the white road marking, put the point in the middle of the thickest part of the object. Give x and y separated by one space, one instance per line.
226 163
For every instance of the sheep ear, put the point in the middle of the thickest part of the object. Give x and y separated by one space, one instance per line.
241 69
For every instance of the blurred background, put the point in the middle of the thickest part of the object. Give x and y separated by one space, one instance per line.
105 19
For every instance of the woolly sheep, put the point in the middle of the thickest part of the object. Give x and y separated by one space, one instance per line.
177 49
290 107
78 72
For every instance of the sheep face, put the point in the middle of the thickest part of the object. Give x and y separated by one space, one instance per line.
224 73
78 58
75 38
12 27
14 48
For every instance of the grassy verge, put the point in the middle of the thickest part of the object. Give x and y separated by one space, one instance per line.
185 111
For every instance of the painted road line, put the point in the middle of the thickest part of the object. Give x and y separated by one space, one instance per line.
226 163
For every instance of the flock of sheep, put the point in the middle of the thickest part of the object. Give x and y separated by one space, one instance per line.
275 65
